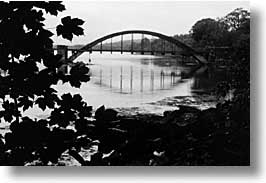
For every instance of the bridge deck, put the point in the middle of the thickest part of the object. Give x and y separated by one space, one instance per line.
129 51
199 58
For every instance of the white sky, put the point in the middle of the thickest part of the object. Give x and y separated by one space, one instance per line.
167 17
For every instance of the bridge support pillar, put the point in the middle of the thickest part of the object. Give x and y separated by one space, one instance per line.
62 50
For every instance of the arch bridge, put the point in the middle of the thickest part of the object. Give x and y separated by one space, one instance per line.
142 47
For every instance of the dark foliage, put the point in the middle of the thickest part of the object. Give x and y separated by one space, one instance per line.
24 43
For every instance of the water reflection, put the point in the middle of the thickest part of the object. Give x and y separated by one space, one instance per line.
136 80
129 79
132 80
206 78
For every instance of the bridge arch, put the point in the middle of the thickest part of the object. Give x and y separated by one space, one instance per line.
190 50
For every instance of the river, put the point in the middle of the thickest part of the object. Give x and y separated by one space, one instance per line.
142 83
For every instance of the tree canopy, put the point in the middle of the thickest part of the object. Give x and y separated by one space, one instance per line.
223 31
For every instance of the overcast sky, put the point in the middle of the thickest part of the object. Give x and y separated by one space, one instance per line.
167 17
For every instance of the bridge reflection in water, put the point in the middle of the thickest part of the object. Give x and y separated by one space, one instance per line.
129 79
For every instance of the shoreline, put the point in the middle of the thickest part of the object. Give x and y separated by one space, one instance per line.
201 102
156 108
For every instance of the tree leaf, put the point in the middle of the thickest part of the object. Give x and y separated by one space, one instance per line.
70 27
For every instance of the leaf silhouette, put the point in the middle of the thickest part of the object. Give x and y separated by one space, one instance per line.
70 27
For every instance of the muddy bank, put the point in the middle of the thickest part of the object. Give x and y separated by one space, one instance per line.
201 102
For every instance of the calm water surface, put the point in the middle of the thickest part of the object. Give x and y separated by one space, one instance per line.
125 80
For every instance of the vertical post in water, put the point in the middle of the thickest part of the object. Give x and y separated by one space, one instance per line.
141 80
121 79
171 78
90 57
142 44
152 80
132 43
173 49
101 76
131 79
101 47
174 77
162 79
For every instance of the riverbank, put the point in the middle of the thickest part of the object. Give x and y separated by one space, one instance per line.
186 136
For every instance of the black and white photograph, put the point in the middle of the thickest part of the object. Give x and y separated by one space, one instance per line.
125 83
